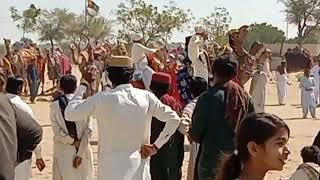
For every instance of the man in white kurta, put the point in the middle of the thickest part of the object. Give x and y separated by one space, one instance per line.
315 72
124 118
266 64
14 87
196 54
308 101
138 54
258 89
282 82
65 152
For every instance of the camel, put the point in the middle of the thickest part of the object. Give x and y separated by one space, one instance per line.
98 56
16 59
247 60
5 64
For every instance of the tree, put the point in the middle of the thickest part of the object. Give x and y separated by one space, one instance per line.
265 33
147 19
26 19
218 22
51 25
81 34
303 13
61 26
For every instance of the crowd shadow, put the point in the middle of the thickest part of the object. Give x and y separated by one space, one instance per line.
46 125
293 119
273 105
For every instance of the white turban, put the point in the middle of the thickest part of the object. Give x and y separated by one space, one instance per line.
137 37
199 29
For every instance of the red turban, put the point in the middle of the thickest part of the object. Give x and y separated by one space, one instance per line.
161 77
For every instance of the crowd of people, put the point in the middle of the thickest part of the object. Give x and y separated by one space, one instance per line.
142 131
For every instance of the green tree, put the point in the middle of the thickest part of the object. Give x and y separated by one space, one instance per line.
81 34
147 19
265 33
218 22
51 25
303 13
26 20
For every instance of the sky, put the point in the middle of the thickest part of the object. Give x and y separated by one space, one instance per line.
242 12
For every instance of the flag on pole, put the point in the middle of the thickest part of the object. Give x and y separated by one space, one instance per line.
92 8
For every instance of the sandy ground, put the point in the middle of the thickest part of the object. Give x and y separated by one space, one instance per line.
302 130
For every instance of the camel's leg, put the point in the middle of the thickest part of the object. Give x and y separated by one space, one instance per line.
25 86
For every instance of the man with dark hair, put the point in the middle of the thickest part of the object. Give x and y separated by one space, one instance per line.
72 153
19 135
14 88
310 169
124 116
167 163
216 115
316 141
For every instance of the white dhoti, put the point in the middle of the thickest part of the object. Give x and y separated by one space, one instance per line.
317 91
23 170
192 160
282 86
62 167
258 91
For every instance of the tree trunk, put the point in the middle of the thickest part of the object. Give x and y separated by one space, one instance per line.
281 47
300 39
52 45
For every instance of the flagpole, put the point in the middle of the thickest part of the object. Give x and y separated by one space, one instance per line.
85 12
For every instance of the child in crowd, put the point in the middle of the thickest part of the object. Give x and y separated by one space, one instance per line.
261 146
310 169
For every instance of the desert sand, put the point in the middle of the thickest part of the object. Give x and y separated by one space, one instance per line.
302 130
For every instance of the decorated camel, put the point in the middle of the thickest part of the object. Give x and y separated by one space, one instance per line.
97 56
17 58
247 60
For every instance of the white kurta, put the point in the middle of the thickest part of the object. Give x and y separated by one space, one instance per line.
124 119
308 100
64 151
23 170
140 61
266 68
315 71
194 52
258 91
282 86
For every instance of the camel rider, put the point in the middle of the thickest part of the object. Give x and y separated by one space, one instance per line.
138 53
196 53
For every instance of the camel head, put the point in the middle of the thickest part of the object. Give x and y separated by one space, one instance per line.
256 47
7 42
237 38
